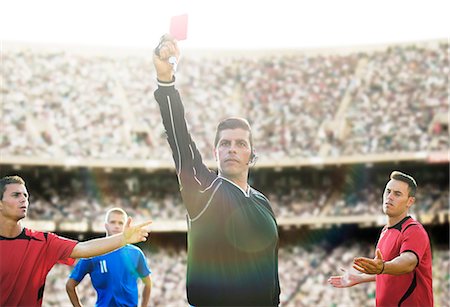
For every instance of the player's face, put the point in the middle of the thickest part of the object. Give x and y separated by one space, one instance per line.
396 201
233 152
14 204
115 224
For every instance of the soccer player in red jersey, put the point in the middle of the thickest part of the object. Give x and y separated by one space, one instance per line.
402 264
26 256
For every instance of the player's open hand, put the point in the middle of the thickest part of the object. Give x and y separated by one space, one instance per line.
166 51
348 279
370 266
137 233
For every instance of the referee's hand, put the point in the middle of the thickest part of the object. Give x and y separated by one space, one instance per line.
166 48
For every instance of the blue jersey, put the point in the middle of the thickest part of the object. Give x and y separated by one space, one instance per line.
114 275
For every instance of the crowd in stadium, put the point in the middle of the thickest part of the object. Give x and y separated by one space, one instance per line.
303 277
85 198
327 201
61 104
404 90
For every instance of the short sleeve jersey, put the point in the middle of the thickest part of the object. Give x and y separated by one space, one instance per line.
414 288
25 262
114 275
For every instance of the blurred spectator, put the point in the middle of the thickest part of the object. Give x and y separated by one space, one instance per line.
59 104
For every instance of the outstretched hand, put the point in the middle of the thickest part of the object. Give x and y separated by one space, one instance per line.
166 48
370 266
137 233
348 279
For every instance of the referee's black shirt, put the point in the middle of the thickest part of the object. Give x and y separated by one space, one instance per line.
232 233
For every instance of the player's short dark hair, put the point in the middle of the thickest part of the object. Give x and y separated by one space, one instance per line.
412 185
9 180
233 123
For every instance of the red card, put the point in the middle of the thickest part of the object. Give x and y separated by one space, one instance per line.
178 27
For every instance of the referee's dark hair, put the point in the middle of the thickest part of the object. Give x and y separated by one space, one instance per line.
233 123
412 185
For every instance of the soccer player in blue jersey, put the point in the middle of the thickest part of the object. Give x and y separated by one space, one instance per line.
114 275
232 231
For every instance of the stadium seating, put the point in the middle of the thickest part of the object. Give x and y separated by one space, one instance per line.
84 130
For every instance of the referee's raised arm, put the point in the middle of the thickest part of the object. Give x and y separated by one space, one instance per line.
232 231
193 175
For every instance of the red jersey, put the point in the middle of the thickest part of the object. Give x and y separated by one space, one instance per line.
414 288
25 262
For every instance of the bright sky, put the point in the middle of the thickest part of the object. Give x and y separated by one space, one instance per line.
229 24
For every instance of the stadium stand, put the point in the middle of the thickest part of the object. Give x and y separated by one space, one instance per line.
63 106
84 131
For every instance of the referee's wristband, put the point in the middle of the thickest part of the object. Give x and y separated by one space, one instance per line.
382 269
166 83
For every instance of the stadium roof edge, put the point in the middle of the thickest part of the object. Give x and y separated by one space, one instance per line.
82 49
154 165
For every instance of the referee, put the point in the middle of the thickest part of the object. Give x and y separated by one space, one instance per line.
232 231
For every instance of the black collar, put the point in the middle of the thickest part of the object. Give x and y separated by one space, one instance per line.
398 226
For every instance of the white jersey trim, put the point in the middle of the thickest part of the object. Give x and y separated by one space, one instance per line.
176 141
246 193
207 204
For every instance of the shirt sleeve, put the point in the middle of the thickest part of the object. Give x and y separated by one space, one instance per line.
80 270
142 268
193 174
59 249
415 240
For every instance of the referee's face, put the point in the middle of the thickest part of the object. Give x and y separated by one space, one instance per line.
233 153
